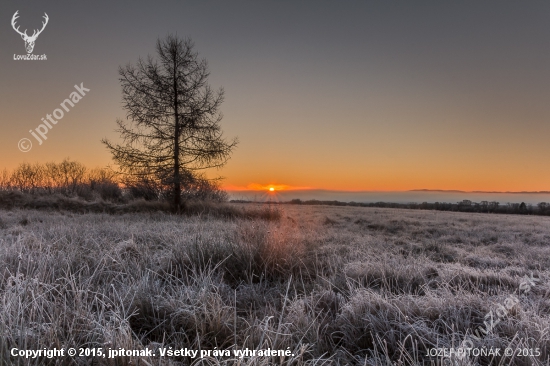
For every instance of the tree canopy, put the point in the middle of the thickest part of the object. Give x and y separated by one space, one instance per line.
172 128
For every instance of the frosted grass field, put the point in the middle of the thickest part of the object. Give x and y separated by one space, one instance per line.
335 285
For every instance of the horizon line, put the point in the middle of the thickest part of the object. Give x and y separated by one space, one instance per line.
300 189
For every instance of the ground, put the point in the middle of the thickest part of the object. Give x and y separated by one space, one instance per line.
333 285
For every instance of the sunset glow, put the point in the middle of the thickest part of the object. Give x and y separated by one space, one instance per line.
408 96
265 187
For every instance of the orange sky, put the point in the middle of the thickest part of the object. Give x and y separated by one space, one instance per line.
358 97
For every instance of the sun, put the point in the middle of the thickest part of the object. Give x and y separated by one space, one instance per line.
271 189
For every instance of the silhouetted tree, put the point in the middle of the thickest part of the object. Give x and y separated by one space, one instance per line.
484 206
28 177
493 206
5 182
523 208
173 128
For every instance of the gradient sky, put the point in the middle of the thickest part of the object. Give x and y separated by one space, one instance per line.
348 95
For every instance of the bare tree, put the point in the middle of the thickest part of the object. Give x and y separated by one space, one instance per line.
172 128
101 175
72 172
104 181
63 177
28 177
5 182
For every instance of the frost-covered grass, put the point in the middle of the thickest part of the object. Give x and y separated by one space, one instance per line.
335 285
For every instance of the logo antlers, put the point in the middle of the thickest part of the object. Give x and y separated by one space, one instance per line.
29 41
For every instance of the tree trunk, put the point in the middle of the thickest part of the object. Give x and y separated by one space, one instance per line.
177 183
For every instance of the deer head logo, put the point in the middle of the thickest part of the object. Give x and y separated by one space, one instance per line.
29 41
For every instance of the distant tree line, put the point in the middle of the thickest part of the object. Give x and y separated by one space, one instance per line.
542 208
73 179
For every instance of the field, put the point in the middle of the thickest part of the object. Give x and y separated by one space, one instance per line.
333 285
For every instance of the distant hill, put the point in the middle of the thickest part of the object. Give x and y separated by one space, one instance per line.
492 192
